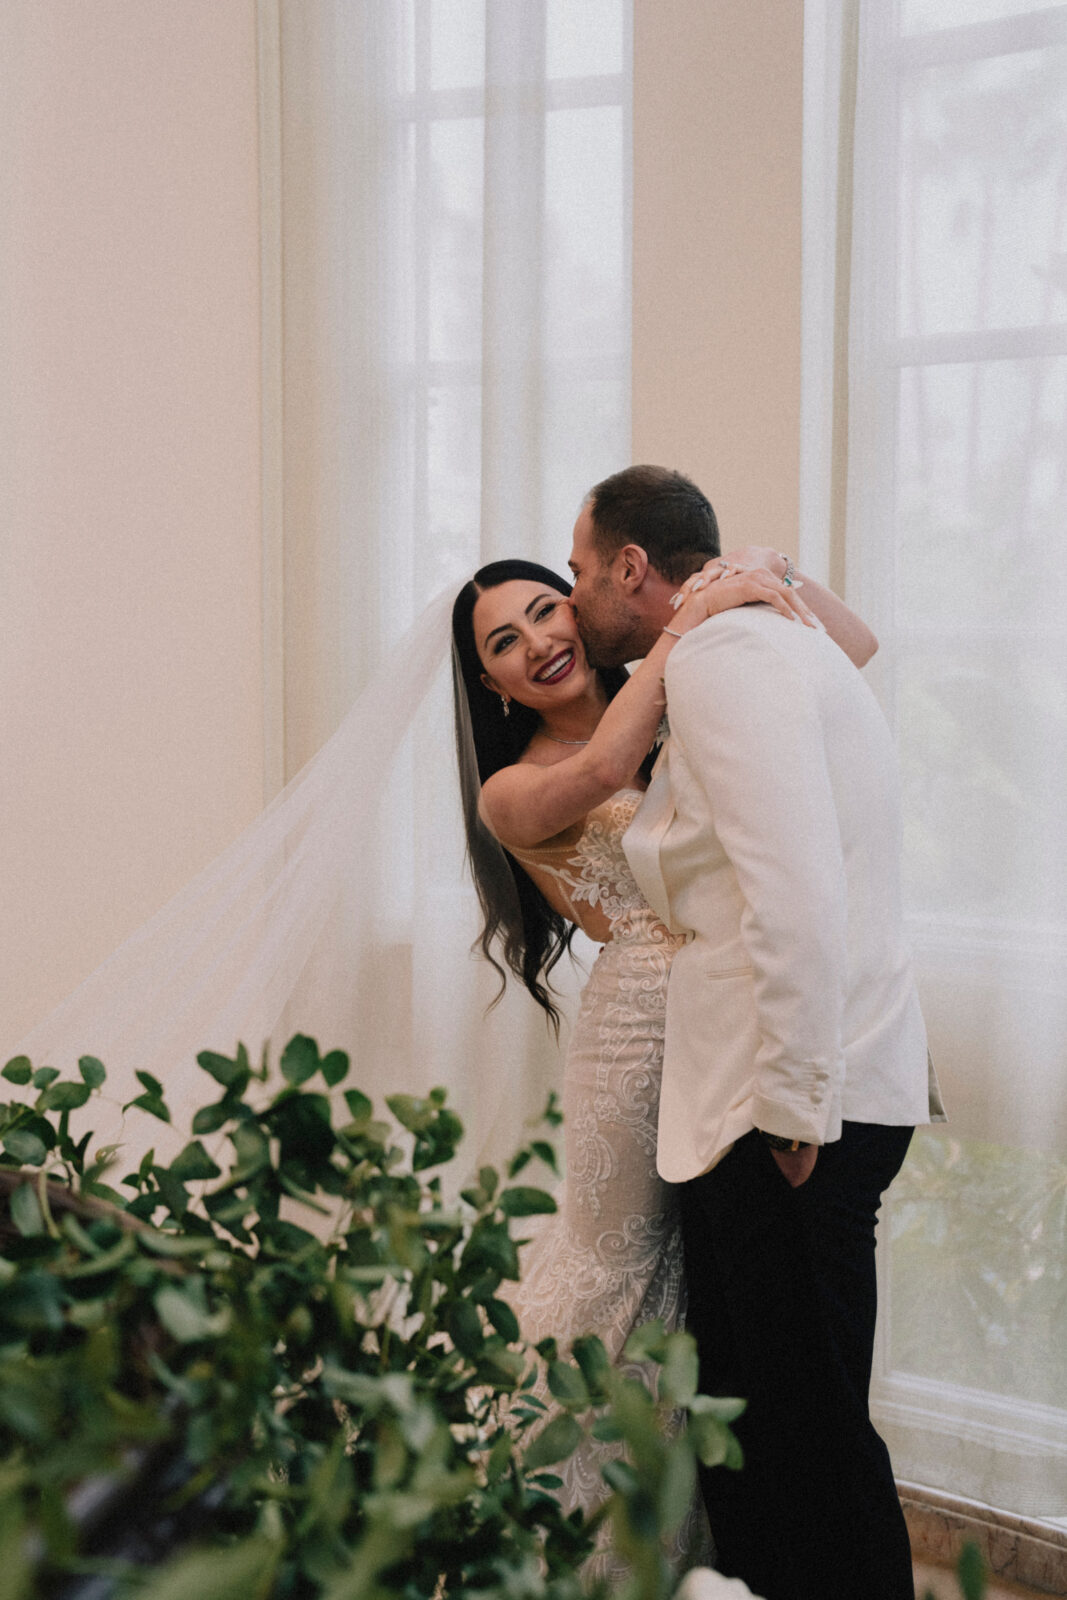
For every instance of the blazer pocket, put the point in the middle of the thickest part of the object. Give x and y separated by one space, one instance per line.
730 972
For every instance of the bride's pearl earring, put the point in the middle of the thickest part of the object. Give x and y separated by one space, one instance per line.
506 705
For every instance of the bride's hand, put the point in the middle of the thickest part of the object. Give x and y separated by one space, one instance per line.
722 584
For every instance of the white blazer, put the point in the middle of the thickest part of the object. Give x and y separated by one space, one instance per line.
771 835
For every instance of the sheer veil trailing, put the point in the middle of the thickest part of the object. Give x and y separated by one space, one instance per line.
342 911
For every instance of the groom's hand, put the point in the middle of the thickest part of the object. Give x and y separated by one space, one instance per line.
796 1166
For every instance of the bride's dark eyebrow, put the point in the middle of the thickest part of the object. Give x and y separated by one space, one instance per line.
507 627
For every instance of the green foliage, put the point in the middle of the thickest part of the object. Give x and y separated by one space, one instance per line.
979 1242
971 1572
283 1365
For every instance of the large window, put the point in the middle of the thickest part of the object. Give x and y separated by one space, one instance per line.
455 204
951 541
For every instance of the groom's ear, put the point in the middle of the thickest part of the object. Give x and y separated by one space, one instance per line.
632 564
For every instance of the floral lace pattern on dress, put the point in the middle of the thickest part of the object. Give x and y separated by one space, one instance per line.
611 1258
593 880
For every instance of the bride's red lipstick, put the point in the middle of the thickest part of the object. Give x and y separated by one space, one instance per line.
547 676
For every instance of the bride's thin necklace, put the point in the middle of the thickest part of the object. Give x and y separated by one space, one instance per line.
552 736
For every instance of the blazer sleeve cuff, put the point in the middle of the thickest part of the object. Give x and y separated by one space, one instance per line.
810 1124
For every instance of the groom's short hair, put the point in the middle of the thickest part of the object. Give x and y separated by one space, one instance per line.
660 510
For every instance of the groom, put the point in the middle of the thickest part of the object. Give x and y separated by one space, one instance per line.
795 1064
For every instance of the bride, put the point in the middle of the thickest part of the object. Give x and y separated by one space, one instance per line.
559 750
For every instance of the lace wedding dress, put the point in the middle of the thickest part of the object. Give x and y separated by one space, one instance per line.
611 1257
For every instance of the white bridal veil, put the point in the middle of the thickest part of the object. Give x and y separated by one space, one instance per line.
342 911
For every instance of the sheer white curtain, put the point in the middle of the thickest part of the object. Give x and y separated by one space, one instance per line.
453 192
951 539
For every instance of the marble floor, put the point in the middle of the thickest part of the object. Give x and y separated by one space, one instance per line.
942 1584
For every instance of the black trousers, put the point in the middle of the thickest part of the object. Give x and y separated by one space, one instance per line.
782 1301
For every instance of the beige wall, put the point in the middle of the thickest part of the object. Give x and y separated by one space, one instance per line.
716 322
130 633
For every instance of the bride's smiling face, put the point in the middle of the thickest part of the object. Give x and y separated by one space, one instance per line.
528 644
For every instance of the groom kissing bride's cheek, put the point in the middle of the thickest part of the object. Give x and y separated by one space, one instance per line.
747 1124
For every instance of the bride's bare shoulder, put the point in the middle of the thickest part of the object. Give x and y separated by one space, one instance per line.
493 788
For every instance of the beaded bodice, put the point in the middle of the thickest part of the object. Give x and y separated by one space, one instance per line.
585 875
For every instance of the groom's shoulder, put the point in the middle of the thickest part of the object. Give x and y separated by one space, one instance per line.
757 649
752 630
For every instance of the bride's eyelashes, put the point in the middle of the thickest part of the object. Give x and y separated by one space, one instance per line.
505 640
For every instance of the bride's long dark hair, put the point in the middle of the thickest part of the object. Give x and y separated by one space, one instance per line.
531 933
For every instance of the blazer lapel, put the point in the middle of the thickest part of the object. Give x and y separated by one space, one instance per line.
643 838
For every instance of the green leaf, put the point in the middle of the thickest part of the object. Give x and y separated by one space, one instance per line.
557 1440
567 1385
646 1342
241 1572
972 1572
607 1429
547 1153
677 1486
153 1085
16 1562
152 1104
25 1147
465 1327
105 1262
526 1202
26 1211
334 1067
503 1319
410 1112
722 1407
39 1126
488 1181
621 1476
225 1070
303 1126
44 1076
592 1358
34 1300
679 1375
300 1059
194 1164
360 1107
498 1365
63 1097
229 1210
185 1318
93 1071
437 1142
209 1119
548 1480
18 1070
499 1456
710 1438
490 1248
